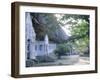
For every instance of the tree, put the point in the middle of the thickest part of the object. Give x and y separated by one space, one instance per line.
46 23
80 40
79 30
75 17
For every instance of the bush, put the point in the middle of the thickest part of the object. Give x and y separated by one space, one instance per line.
62 49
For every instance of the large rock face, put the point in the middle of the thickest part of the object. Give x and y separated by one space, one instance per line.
45 23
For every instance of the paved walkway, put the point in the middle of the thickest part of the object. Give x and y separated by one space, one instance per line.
81 61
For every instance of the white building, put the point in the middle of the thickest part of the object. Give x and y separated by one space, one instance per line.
35 48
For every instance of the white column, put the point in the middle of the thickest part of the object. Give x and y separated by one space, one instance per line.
46 45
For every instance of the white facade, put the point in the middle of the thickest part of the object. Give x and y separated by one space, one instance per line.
30 37
35 48
44 49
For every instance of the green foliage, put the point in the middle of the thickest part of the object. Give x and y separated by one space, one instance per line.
82 43
80 28
75 17
62 49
